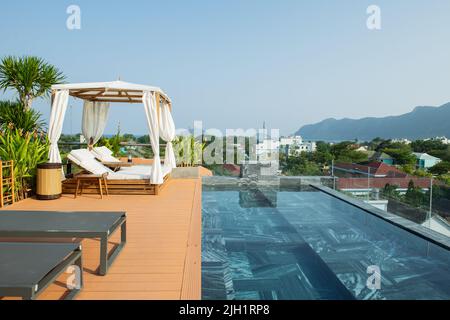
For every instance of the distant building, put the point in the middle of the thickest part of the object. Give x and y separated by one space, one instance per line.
290 141
380 157
373 170
405 141
444 140
295 145
362 149
425 161
307 147
361 180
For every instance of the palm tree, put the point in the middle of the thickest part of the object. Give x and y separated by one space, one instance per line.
31 77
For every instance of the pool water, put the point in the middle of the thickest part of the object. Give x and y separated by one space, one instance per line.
265 243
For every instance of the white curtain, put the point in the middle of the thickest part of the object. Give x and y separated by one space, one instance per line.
59 107
149 101
95 117
168 134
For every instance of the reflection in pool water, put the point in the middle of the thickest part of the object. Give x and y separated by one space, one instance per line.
304 244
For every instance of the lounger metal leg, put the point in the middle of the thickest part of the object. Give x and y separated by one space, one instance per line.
103 255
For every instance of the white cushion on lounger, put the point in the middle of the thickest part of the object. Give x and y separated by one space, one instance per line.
81 155
104 154
103 151
94 167
141 172
124 176
86 160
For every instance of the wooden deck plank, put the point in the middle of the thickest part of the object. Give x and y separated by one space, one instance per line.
162 239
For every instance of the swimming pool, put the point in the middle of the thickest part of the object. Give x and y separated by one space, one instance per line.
271 243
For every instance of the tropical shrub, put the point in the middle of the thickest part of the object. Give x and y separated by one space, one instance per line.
13 112
27 150
112 143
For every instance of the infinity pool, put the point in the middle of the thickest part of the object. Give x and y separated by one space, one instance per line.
266 243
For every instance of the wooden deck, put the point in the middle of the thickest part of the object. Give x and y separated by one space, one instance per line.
162 258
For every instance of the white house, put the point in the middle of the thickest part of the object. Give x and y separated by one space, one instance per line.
295 145
444 140
290 141
425 161
307 147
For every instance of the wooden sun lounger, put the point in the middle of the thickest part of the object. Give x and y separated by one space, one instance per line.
36 224
27 269
118 187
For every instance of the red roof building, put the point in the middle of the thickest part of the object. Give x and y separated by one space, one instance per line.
373 169
374 175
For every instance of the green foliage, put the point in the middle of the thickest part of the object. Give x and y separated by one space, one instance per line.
414 195
301 166
322 155
402 153
113 143
13 112
27 150
443 154
421 173
445 178
144 139
127 137
377 144
346 152
390 191
427 146
408 168
30 77
442 167
188 150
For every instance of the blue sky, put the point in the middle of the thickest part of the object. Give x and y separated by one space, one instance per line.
234 64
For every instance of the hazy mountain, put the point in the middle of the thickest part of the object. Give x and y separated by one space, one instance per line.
422 122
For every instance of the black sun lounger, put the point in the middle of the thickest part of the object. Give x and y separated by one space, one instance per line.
37 224
27 269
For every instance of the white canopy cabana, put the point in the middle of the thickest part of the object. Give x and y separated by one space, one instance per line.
97 97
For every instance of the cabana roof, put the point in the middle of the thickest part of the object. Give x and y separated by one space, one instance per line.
115 91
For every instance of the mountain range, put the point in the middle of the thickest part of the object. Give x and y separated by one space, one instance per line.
423 122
